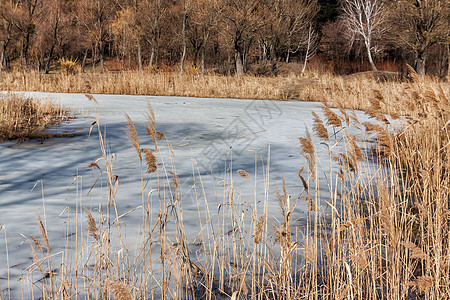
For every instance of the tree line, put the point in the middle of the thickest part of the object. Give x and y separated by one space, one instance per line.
222 34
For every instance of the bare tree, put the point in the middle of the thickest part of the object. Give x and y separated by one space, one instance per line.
312 43
186 11
243 19
204 21
419 25
31 9
364 19
125 33
96 16
9 31
151 18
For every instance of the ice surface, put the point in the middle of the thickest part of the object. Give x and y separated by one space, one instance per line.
205 133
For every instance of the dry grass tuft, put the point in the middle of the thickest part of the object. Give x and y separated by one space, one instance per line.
24 118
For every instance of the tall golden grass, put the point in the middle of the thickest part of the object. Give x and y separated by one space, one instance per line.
379 232
23 118
351 92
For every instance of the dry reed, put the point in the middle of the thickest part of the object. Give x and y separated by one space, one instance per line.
23 118
376 232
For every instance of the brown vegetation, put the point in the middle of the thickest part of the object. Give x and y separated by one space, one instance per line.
351 92
227 35
378 233
23 118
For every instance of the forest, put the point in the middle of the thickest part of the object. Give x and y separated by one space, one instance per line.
225 36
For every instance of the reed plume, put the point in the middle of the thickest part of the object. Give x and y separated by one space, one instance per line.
259 229
119 289
150 160
92 227
133 136
332 118
43 233
243 173
319 128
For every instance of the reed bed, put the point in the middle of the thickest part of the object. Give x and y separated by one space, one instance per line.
381 231
351 92
23 118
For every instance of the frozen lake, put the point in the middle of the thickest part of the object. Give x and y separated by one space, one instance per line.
208 136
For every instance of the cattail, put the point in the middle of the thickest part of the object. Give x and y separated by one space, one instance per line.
244 174
319 128
150 160
133 136
119 289
92 227
43 233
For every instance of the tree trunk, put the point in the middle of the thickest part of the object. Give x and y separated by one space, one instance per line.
100 52
139 55
203 60
52 48
306 57
183 34
419 63
239 64
448 61
2 56
369 54
83 63
152 55
47 64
